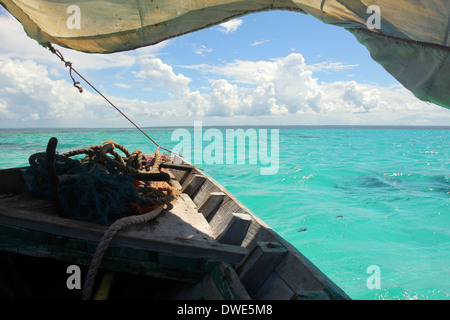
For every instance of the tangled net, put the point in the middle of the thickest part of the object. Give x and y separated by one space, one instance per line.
103 186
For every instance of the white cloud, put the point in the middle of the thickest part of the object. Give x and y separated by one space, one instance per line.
196 104
230 26
26 87
282 90
287 85
257 43
330 66
162 75
202 50
29 97
123 85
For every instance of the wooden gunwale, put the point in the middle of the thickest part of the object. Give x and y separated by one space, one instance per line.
217 227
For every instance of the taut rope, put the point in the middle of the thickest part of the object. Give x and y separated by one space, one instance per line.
77 85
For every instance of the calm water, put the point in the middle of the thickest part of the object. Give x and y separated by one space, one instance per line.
346 198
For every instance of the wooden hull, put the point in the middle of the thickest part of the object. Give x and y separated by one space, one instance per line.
206 246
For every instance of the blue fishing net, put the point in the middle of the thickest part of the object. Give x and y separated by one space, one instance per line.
97 195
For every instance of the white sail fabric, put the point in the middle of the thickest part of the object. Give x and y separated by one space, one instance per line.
409 38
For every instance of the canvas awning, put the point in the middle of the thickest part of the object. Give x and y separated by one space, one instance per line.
409 38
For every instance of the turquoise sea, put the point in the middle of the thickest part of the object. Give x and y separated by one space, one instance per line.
347 197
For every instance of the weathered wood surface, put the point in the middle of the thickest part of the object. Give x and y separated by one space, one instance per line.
193 185
205 222
220 283
117 258
211 204
259 264
183 167
181 220
25 201
236 230
169 243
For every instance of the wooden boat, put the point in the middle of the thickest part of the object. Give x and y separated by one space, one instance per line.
207 245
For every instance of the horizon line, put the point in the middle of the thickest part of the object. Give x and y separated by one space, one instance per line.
320 126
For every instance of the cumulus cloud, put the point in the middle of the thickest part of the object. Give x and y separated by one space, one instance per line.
230 26
29 94
280 86
162 75
274 89
287 85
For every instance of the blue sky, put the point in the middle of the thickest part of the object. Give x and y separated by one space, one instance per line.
274 68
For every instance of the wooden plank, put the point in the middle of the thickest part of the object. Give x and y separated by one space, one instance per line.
204 192
27 202
274 288
184 176
236 230
257 232
187 178
181 219
184 167
211 204
193 185
220 219
303 276
259 264
184 220
75 251
299 276
126 238
228 282
220 283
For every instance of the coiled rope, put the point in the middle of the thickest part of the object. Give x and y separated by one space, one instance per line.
99 187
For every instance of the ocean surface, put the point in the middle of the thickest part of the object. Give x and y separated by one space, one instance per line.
370 207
